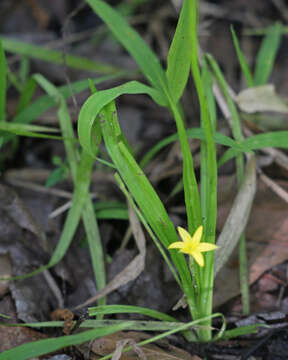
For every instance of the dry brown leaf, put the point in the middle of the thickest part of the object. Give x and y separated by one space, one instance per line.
16 210
120 345
238 216
15 336
260 99
165 351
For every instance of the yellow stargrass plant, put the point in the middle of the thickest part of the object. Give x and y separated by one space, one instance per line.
98 120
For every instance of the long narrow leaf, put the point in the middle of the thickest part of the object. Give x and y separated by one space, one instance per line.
26 94
150 66
3 85
179 56
242 61
41 347
257 142
134 178
133 42
55 56
129 309
195 133
267 54
39 106
97 101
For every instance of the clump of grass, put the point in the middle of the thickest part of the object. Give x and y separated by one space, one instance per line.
98 120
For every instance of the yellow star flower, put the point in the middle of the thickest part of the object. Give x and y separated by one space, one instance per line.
191 244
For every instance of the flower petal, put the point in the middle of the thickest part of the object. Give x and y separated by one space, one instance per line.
198 257
176 245
184 234
202 247
197 235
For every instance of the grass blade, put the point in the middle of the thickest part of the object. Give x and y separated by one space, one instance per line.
54 56
179 56
3 83
237 133
41 347
257 142
98 100
267 54
38 107
150 66
242 61
208 182
26 94
129 309
135 180
81 202
195 133
180 328
132 41
29 130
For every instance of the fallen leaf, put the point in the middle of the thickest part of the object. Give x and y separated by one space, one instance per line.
15 336
161 351
238 216
260 99
11 203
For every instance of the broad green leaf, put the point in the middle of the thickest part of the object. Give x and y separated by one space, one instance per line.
267 54
179 56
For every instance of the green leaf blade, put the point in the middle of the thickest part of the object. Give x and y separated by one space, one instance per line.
3 83
55 56
267 54
41 347
132 41
242 61
179 56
